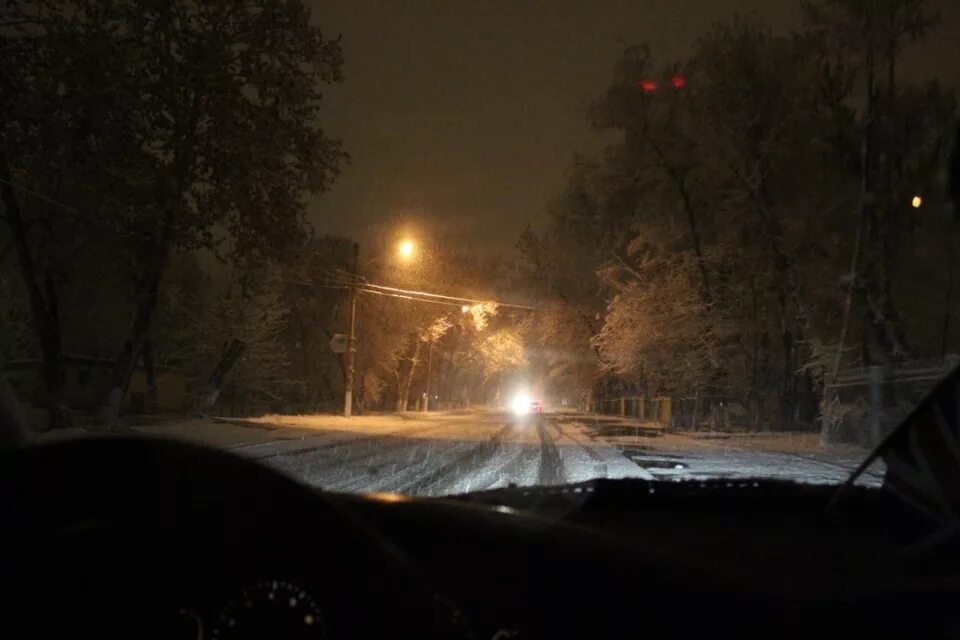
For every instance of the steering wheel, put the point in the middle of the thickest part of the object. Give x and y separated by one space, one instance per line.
152 538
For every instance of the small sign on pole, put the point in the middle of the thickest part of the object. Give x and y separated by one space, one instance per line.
339 342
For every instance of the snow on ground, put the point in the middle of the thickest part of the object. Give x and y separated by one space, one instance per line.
453 452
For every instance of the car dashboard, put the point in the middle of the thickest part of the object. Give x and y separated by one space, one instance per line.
156 539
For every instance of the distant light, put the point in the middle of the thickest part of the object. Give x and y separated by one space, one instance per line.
678 82
406 249
465 308
520 404
648 85
916 202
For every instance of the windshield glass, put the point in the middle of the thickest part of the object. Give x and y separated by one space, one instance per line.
434 248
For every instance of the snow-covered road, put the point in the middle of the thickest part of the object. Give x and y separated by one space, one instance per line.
453 453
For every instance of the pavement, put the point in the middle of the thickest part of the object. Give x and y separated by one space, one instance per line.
444 453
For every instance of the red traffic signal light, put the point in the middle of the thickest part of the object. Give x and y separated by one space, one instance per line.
677 82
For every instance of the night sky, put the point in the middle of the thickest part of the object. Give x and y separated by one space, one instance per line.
466 114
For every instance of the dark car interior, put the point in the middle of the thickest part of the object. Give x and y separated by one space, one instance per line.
136 537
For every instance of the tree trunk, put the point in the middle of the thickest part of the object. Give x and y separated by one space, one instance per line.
309 373
43 311
953 179
426 386
13 423
889 225
404 399
888 335
789 290
147 295
947 306
695 418
787 397
399 384
680 183
232 353
443 372
152 403
753 393
867 202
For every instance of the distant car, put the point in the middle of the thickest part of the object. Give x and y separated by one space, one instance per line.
524 410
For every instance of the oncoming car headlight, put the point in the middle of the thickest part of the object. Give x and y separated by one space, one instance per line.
520 404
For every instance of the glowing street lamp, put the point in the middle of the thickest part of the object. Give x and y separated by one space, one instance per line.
916 202
406 249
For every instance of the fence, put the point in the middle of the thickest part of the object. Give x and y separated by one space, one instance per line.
863 405
713 412
705 412
657 409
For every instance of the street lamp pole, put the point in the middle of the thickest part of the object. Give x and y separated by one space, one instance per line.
406 251
351 356
351 342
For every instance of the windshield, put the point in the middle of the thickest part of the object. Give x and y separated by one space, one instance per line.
435 248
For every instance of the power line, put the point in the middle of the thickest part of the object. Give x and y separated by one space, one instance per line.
426 295
420 293
354 280
406 295
84 217
359 282
40 196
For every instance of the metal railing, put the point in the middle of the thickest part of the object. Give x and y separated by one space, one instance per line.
864 404
648 409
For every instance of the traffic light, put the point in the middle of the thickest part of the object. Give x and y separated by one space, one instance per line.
648 86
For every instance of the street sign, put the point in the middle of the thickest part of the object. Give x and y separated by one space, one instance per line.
339 342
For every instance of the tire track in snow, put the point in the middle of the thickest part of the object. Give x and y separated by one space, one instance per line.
590 451
465 462
521 469
361 467
400 469
551 464
612 465
599 463
516 462
329 442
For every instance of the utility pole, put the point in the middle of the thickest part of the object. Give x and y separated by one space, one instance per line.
357 284
351 356
351 343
